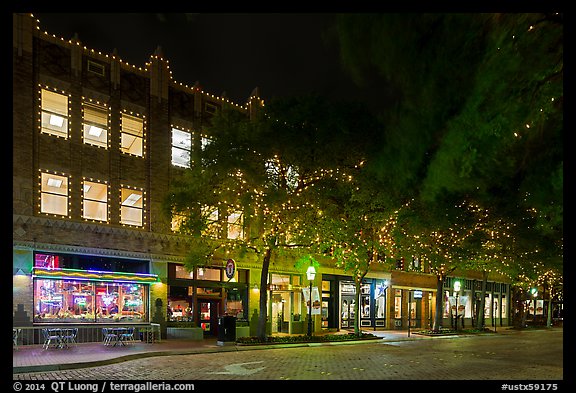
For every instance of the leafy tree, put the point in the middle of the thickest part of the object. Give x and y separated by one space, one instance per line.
353 225
477 115
268 168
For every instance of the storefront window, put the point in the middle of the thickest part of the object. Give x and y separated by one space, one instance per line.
380 300
280 282
397 303
487 305
235 300
203 273
182 272
84 301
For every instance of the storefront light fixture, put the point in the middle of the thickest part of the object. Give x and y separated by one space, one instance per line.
311 273
457 290
457 286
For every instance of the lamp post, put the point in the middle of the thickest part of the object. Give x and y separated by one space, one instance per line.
310 273
457 290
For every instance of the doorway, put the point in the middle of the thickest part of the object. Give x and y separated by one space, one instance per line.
281 310
208 313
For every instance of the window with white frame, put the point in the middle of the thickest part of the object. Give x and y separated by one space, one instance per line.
131 209
235 225
95 201
181 148
54 113
95 125
54 194
132 135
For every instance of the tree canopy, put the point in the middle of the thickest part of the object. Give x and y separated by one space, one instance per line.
477 115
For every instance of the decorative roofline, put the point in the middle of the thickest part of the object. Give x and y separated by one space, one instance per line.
109 58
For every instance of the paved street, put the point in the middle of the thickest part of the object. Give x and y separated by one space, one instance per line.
521 356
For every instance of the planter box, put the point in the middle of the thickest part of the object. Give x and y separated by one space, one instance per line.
191 333
242 331
298 327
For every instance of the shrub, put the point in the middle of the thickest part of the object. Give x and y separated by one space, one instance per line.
295 339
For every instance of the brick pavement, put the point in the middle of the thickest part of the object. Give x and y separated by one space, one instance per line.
34 358
527 356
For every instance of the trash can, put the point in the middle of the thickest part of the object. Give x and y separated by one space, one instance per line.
226 329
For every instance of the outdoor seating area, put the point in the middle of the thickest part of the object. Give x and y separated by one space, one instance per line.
117 335
63 337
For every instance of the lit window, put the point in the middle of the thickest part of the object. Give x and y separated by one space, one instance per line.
177 221
95 125
54 113
54 194
181 148
235 226
203 273
131 209
95 201
132 135
213 226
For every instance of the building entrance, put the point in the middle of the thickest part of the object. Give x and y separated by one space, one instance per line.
347 311
208 313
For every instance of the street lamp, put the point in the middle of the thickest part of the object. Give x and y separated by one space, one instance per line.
310 273
457 290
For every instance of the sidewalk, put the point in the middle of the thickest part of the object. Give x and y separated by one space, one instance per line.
34 358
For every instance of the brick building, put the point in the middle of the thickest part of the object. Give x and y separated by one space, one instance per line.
96 142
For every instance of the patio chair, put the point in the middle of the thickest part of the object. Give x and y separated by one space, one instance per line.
127 336
69 336
51 337
109 336
15 333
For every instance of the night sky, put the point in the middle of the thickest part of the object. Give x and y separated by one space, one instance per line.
281 54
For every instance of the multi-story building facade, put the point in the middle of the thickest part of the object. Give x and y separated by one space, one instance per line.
96 143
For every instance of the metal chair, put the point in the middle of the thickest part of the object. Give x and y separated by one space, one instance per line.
69 336
15 334
127 336
109 336
51 337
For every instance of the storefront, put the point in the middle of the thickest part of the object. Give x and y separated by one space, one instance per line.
70 288
285 308
200 297
467 302
372 306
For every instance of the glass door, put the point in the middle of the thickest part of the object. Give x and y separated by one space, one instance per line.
208 311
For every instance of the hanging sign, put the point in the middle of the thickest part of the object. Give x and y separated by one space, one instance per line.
230 268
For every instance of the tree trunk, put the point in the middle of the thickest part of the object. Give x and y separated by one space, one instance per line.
439 313
357 308
261 328
549 318
480 318
358 283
